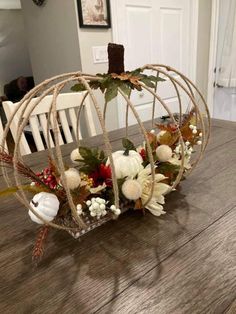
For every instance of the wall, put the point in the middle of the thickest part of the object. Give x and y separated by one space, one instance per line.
10 4
204 27
14 55
96 37
52 37
57 44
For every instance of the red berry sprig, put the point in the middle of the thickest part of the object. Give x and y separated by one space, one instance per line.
48 177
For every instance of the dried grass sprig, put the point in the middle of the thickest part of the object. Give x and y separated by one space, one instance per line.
39 244
7 161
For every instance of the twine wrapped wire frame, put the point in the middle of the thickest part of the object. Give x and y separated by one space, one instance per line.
55 84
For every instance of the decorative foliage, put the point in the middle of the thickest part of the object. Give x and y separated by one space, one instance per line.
7 162
109 84
39 244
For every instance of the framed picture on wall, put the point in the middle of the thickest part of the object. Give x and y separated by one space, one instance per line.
94 13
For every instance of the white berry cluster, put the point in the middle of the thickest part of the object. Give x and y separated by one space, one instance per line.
79 209
115 210
187 149
199 142
97 207
193 128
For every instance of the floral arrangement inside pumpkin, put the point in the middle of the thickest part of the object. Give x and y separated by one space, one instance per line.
91 185
87 193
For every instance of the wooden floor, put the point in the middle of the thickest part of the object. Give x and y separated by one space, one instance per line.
183 262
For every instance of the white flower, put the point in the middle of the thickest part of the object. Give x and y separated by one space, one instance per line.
73 178
200 134
177 149
75 156
176 160
194 131
157 200
199 142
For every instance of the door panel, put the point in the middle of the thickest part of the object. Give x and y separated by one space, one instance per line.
154 31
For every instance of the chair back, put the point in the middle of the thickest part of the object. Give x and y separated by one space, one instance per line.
67 106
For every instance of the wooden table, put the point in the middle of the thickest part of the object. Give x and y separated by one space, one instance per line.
183 262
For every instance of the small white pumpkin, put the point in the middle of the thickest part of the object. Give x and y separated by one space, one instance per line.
127 165
132 189
164 153
46 205
75 156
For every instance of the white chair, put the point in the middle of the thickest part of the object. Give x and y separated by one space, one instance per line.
67 107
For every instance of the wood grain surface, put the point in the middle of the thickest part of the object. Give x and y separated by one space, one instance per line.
182 262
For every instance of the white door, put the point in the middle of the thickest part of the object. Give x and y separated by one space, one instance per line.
155 31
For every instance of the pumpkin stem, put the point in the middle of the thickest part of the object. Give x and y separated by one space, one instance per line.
126 152
36 204
116 58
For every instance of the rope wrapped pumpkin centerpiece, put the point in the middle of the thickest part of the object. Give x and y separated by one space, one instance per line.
100 184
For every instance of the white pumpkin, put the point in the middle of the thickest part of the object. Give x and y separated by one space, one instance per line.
127 165
75 156
46 205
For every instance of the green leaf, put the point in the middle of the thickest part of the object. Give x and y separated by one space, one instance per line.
156 78
95 84
84 152
138 87
92 158
125 88
147 82
102 156
111 92
127 144
79 87
136 72
166 167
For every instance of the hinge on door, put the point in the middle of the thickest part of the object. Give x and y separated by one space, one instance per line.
214 84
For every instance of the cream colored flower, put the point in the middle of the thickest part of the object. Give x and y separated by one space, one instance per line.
157 200
176 160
